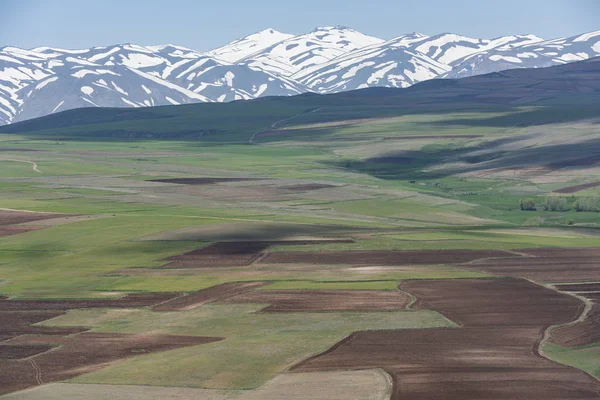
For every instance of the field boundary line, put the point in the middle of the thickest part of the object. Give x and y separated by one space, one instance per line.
445 315
329 350
390 382
29 211
259 258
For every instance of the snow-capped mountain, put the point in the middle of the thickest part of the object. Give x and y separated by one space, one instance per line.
533 55
244 47
45 80
448 47
392 64
400 62
317 47
89 85
222 81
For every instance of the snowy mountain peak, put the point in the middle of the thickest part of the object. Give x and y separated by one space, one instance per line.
241 48
305 51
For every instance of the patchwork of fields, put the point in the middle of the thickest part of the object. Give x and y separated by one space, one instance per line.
386 256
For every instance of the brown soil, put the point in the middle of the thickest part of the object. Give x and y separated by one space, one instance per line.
81 354
241 253
547 265
21 323
595 297
577 188
492 356
324 300
21 351
383 257
584 332
15 230
417 137
129 301
581 333
202 181
214 293
308 186
6 149
494 302
580 287
220 254
21 217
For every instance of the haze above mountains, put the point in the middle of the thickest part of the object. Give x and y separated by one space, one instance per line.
45 80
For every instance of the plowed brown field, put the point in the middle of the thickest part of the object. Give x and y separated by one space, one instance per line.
9 217
21 323
581 333
492 356
80 354
9 221
240 253
201 181
324 300
129 301
383 257
547 265
22 351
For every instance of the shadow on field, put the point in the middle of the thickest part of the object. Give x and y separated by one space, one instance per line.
249 231
538 116
505 153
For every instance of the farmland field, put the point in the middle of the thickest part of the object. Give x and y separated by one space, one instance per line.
351 252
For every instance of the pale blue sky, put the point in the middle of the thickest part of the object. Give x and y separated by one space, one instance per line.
205 24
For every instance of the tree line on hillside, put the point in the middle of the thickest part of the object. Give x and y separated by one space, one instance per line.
557 203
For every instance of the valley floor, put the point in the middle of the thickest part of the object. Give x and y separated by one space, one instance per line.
368 258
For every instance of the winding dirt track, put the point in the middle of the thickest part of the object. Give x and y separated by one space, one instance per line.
493 355
33 164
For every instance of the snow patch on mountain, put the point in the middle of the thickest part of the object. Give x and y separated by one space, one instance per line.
300 52
248 45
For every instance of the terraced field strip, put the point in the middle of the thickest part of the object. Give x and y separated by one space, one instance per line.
577 188
383 257
551 265
129 301
202 181
214 293
238 253
324 300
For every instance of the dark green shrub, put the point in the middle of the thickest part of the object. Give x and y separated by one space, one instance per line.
587 204
555 203
527 204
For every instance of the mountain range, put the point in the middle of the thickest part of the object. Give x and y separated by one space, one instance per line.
45 80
